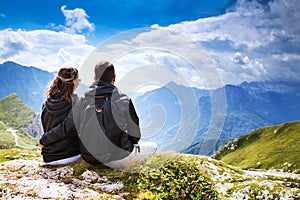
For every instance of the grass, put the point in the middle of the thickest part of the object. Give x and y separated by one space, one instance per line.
7 140
25 140
269 147
15 113
17 153
173 176
163 176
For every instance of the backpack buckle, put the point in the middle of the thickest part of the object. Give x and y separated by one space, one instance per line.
98 110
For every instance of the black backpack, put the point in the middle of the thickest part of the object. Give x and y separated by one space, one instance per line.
99 131
104 111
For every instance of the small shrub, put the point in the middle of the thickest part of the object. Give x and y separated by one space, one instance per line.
173 178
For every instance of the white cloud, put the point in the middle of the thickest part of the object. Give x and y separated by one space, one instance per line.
254 41
162 67
241 30
285 57
288 13
45 49
76 20
174 56
239 59
250 43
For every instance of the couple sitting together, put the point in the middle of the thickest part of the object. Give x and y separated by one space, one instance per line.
100 127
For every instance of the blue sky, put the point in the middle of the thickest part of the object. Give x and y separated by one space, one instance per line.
256 40
108 17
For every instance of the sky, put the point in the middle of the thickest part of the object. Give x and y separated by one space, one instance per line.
198 43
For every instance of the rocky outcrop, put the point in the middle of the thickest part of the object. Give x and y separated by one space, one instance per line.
35 129
30 179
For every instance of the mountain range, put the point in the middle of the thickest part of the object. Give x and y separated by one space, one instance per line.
248 106
180 118
29 83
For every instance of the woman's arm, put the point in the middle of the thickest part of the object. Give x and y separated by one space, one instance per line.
60 131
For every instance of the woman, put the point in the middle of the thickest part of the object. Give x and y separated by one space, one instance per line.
60 149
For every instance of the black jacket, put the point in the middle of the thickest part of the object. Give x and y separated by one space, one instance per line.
56 145
104 146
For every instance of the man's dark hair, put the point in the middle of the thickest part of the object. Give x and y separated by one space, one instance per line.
105 71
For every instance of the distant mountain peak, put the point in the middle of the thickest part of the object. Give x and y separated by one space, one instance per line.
9 62
283 87
29 83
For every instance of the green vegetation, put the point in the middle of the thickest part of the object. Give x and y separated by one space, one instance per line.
15 113
164 176
255 190
174 176
7 140
275 147
17 153
27 141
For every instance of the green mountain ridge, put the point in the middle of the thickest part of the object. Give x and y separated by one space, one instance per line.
15 117
271 147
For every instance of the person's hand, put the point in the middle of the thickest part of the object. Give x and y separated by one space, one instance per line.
40 145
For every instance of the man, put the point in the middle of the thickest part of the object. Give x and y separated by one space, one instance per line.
108 138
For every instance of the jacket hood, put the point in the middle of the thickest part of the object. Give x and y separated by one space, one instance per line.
100 88
57 106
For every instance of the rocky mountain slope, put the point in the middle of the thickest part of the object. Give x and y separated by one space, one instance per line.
29 83
18 123
163 176
265 148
